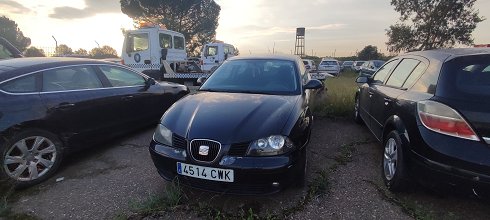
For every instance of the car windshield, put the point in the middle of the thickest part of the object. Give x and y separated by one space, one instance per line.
348 63
359 63
468 78
276 77
330 63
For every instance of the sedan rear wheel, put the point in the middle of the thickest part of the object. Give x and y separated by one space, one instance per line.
30 157
394 169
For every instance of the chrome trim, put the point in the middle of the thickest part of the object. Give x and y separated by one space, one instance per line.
209 162
75 65
487 139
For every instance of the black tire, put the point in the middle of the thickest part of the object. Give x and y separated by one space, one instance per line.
398 180
45 158
357 115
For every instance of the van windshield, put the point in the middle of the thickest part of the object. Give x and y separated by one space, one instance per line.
467 78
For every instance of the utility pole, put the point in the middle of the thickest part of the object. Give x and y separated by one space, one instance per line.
97 44
56 47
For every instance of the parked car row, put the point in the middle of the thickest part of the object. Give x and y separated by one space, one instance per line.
431 112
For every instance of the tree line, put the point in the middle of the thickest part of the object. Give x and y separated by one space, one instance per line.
10 31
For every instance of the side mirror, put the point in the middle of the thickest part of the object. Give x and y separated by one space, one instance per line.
201 81
313 84
149 82
362 79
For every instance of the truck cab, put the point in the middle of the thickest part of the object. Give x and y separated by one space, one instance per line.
146 48
214 54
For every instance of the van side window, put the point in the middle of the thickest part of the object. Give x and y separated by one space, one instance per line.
137 42
211 51
401 72
227 50
179 43
165 40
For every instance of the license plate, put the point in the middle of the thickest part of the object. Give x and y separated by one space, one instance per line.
207 173
317 76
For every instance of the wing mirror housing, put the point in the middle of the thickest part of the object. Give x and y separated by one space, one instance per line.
149 82
313 84
362 79
201 81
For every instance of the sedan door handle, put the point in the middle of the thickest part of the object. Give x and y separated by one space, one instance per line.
65 106
128 97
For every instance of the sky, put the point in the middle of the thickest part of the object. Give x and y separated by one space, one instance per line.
333 27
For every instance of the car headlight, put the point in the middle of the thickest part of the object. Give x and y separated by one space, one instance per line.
270 146
163 135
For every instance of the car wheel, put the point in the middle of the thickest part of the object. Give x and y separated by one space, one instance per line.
357 115
394 168
30 157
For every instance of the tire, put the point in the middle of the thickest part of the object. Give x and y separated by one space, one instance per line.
30 157
357 115
394 168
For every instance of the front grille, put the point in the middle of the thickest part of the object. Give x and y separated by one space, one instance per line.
213 148
179 142
238 150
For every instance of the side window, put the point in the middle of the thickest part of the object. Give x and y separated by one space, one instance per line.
24 84
401 72
426 83
5 53
380 76
227 50
70 78
165 40
119 77
419 70
211 51
137 42
179 43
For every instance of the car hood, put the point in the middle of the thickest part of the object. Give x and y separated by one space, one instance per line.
229 117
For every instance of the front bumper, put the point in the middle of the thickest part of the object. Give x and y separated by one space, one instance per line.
252 175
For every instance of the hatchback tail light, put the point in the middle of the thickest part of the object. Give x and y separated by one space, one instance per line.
443 119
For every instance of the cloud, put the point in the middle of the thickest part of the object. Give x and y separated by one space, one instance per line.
92 8
13 7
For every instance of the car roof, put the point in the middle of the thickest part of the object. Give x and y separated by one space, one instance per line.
448 54
266 56
19 66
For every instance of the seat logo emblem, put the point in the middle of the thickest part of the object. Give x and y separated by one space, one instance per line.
203 150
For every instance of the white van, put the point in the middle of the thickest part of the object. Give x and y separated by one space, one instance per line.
214 54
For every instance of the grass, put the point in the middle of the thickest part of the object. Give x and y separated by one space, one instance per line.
339 99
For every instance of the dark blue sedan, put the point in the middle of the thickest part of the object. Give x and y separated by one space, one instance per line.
51 106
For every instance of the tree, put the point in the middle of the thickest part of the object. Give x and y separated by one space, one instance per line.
196 19
63 49
81 52
103 52
10 31
369 52
34 52
430 24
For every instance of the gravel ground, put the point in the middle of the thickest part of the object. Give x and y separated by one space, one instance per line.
101 183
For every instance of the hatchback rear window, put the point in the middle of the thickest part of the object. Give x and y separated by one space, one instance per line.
466 78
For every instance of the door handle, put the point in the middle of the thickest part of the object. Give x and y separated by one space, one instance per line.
65 106
216 61
128 97
147 61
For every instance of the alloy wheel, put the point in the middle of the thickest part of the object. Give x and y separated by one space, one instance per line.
390 158
30 158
